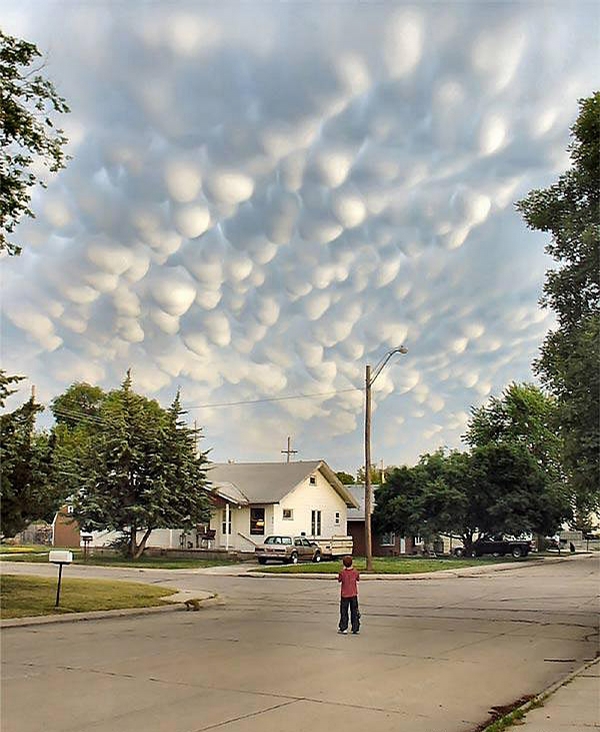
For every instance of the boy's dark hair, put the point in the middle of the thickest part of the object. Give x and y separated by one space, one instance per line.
347 561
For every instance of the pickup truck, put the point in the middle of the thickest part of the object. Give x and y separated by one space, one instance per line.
501 547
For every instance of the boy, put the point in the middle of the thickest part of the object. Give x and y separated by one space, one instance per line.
348 579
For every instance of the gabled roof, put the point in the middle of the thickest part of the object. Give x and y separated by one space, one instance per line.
252 483
357 490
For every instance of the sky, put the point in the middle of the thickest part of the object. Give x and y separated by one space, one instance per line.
265 197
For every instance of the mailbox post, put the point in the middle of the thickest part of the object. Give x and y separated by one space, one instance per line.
87 540
60 558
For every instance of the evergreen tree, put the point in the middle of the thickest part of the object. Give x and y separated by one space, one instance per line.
27 489
140 471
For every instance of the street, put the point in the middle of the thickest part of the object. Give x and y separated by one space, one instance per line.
434 655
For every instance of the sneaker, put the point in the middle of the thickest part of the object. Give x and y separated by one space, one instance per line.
343 632
355 632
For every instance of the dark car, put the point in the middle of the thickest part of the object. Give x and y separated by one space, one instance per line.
499 547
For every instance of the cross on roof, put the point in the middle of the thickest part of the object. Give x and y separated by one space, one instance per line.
289 452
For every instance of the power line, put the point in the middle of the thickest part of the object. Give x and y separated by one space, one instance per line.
82 417
270 399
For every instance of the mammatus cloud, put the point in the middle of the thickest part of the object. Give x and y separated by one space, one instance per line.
262 200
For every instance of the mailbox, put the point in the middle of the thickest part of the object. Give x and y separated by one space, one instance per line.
60 557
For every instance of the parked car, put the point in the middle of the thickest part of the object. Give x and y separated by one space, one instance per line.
518 548
292 549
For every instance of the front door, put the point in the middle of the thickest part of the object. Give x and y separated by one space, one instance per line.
257 522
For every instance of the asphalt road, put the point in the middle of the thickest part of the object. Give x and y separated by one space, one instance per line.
434 655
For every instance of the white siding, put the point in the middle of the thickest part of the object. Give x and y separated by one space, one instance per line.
159 538
241 538
303 500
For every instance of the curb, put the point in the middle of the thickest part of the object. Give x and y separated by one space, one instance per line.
543 695
101 614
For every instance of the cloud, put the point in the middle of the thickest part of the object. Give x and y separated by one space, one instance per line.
259 203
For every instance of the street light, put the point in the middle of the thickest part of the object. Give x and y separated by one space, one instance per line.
369 380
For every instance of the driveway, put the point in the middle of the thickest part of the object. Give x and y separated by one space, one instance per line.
434 655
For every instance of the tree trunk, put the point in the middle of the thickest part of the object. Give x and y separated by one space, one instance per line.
142 545
132 542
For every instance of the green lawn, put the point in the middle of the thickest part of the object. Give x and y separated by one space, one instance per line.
22 548
116 560
28 596
382 565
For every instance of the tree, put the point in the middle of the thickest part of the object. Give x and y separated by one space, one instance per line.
79 405
425 500
27 489
375 475
345 478
140 470
498 488
569 211
523 415
5 382
28 136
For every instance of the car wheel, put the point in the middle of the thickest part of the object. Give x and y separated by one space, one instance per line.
317 557
294 558
262 561
517 552
459 552
474 554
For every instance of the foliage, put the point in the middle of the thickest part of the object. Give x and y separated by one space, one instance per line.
345 478
523 415
498 488
79 405
5 382
569 211
28 136
137 467
27 489
375 473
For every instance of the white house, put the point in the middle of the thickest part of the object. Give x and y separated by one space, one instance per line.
253 500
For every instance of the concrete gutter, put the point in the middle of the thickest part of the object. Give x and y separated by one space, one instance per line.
175 603
543 696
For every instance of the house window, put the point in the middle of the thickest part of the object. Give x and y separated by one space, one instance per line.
226 522
288 514
313 480
257 521
337 518
388 539
315 523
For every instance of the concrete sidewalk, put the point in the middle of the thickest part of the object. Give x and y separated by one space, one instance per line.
573 705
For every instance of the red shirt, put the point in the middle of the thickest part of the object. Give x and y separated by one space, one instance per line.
349 577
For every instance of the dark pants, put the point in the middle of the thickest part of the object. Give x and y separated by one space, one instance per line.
352 603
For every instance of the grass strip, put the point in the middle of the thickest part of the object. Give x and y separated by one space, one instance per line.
381 565
117 560
24 597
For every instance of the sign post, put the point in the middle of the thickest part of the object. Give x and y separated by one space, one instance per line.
60 558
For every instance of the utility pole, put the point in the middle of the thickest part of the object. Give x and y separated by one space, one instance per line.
289 452
369 380
368 489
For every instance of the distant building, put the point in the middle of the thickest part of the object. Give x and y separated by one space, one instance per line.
382 545
65 529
